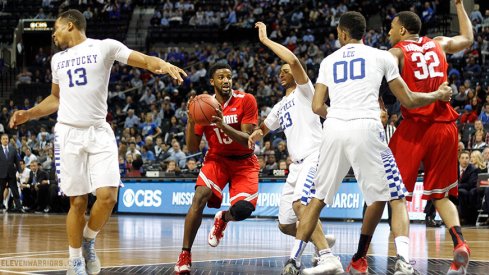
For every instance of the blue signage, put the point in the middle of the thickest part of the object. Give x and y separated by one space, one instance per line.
176 197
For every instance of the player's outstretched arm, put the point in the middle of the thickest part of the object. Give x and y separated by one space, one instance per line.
412 100
466 36
320 96
155 65
257 135
48 106
300 76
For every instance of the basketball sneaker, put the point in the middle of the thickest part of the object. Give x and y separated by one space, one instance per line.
217 230
460 261
76 266
359 266
403 268
91 260
331 239
184 262
328 264
291 268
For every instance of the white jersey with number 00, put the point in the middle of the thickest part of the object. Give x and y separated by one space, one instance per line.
82 73
353 75
301 126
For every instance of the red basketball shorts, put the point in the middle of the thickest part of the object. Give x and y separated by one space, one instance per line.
434 144
242 176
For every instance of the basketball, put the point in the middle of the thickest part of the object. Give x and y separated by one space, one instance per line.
202 108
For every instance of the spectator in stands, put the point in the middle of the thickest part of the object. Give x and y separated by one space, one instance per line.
39 186
476 16
172 168
146 154
469 115
177 155
479 140
281 151
134 169
467 186
282 165
132 150
477 160
149 128
484 116
148 97
29 156
472 67
40 14
271 163
24 77
485 155
88 14
132 120
129 105
191 167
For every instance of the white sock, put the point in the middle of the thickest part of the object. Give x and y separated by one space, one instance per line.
89 233
75 252
402 247
297 251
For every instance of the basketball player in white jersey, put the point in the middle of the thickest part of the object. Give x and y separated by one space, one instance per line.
85 146
302 128
353 136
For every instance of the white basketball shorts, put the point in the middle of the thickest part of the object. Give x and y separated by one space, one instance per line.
86 158
360 144
299 185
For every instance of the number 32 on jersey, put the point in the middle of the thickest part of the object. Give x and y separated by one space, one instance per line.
426 68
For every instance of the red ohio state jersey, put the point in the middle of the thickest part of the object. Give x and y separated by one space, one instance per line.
425 69
241 108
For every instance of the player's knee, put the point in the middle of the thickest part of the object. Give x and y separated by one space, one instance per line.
241 210
79 203
109 199
287 229
201 196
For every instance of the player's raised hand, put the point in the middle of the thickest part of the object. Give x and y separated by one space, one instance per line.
445 92
262 31
254 137
174 71
18 118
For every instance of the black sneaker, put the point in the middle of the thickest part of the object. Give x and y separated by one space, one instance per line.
291 268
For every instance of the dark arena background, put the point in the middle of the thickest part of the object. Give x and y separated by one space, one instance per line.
148 114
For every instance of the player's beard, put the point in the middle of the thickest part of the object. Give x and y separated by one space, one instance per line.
225 92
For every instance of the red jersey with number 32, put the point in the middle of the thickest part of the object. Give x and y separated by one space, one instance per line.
241 108
425 69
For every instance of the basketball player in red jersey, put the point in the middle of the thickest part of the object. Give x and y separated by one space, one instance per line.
228 160
429 133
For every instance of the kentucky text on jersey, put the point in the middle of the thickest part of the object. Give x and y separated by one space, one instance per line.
88 59
422 48
230 119
287 106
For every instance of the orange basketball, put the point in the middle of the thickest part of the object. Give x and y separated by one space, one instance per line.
202 108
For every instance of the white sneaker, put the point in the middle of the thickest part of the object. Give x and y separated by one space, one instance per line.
217 230
91 259
403 268
331 239
76 266
328 264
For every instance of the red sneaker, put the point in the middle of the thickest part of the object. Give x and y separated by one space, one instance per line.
359 266
184 262
460 261
217 230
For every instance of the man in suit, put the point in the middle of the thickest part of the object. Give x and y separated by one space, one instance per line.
39 186
467 187
9 165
